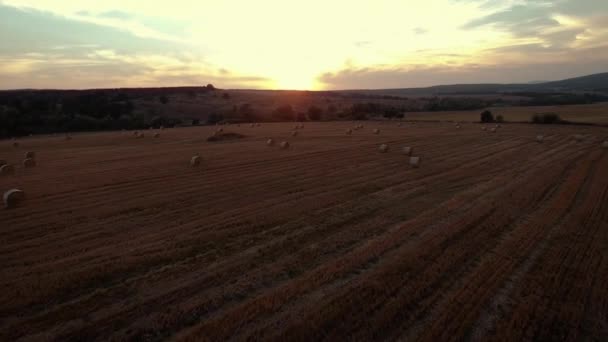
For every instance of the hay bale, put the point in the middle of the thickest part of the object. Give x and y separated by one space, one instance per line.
6 170
383 148
349 131
29 162
407 150
13 197
579 137
483 128
376 131
457 126
540 138
270 142
284 145
294 133
30 154
415 162
195 161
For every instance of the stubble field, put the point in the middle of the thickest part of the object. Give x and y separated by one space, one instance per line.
495 236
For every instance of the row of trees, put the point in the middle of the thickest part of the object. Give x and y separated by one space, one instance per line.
50 112
488 117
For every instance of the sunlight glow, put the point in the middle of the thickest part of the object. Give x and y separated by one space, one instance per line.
283 44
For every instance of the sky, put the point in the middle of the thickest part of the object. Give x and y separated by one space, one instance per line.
312 44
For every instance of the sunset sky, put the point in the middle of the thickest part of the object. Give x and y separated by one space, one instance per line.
298 44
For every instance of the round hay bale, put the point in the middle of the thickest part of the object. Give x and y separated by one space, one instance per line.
540 138
376 131
407 150
157 135
415 162
195 161
294 133
284 145
349 131
6 170
270 142
13 197
30 154
29 162
383 148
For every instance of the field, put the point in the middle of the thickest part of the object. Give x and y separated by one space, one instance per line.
595 113
495 236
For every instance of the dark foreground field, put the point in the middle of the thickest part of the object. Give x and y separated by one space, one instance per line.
495 236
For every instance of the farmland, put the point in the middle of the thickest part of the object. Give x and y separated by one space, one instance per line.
586 113
494 236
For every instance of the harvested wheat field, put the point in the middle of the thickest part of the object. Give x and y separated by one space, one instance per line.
493 236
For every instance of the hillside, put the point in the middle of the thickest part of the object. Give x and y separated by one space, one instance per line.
590 83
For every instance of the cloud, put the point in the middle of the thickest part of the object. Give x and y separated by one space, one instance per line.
559 23
582 8
115 15
420 30
189 40
44 50
550 63
521 20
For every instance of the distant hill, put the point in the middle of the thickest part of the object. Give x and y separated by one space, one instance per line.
596 82
592 83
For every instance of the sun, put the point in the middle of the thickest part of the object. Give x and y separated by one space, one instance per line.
297 82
